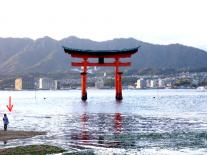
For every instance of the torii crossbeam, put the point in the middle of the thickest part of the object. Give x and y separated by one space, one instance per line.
101 55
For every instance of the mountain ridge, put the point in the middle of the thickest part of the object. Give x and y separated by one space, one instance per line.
46 55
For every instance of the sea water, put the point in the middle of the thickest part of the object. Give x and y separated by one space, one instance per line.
145 122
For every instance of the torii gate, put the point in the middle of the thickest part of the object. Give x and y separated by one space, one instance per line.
101 54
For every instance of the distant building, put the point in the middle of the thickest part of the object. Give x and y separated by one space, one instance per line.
24 83
161 83
57 85
18 84
140 84
46 83
99 83
148 83
154 83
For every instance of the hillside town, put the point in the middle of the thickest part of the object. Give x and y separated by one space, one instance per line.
175 81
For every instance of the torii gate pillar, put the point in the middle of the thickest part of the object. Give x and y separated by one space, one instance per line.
118 82
84 85
84 81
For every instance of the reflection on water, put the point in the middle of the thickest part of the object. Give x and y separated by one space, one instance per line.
174 122
117 122
97 134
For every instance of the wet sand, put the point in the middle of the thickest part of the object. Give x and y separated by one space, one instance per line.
25 150
9 135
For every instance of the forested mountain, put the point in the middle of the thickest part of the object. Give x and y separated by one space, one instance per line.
46 55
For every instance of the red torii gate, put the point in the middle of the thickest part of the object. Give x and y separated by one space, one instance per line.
101 54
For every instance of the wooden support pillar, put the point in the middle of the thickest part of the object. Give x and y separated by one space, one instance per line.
119 87
83 86
84 80
118 84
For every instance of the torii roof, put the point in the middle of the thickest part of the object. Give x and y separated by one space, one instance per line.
100 53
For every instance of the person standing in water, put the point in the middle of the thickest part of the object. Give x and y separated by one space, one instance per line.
6 122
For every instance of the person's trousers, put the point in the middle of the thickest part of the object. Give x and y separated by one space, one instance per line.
5 127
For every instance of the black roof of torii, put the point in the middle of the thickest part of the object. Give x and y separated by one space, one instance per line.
99 53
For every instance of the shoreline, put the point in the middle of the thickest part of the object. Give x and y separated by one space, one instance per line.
12 134
31 150
27 149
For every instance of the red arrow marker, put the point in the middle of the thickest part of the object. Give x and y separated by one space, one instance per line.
10 106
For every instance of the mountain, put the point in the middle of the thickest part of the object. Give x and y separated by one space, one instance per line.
46 55
29 56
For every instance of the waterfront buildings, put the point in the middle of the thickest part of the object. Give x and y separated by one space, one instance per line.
154 83
140 84
46 83
18 84
193 80
161 83
57 85
24 83
149 83
40 83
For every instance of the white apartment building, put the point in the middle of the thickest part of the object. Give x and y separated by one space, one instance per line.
45 83
140 84
154 83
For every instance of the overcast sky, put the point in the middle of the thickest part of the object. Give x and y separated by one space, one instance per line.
155 21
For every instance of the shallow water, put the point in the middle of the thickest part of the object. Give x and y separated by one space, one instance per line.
146 121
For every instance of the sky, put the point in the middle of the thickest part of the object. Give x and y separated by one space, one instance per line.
154 21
